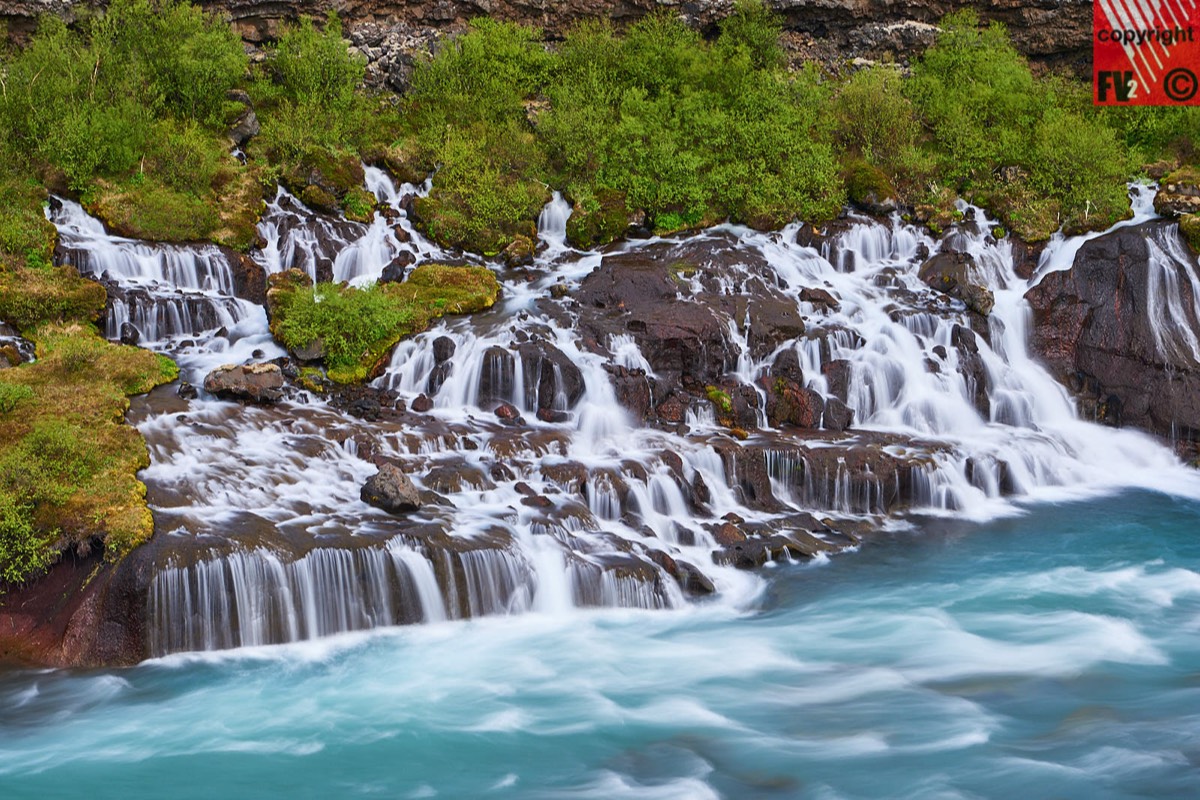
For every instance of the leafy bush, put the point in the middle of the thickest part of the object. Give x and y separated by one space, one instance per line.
1081 164
11 394
753 29
23 550
484 75
976 93
86 101
315 68
691 132
988 116
357 328
345 320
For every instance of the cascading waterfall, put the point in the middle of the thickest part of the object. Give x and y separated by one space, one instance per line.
581 505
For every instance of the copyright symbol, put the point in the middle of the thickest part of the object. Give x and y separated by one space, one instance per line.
1180 85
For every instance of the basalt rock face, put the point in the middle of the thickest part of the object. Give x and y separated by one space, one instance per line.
1105 329
395 35
83 613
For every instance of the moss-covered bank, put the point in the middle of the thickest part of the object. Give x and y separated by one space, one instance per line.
352 331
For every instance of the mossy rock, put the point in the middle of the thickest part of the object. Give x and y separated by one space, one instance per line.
867 186
519 252
936 211
1179 193
452 223
1189 227
329 174
672 221
598 220
31 296
358 328
68 463
359 205
401 161
240 205
146 209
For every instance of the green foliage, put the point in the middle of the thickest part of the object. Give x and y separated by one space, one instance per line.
315 68
486 191
976 93
24 229
86 101
877 126
719 399
1153 132
357 328
11 394
484 75
988 116
688 131
753 29
23 550
67 462
345 320
1082 165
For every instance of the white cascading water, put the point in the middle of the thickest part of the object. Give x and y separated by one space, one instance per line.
266 539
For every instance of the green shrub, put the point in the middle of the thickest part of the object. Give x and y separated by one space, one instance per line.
877 124
487 190
345 320
976 94
483 75
357 328
1080 163
315 68
86 101
753 29
23 550
11 394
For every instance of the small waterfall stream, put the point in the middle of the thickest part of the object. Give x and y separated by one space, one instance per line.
263 537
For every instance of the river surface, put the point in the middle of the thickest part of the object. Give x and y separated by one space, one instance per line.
1051 654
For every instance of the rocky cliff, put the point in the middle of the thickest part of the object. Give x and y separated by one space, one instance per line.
390 32
1121 327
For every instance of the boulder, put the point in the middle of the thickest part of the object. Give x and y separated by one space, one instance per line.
1109 329
1179 193
396 269
789 403
258 383
819 297
549 376
129 334
950 273
391 490
443 349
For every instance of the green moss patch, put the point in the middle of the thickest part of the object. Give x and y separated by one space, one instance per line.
355 329
68 468
31 295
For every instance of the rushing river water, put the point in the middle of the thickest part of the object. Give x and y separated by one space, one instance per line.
1053 654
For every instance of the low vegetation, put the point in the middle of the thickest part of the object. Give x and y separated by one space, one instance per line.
68 462
355 329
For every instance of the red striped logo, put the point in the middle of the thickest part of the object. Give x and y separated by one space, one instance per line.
1146 52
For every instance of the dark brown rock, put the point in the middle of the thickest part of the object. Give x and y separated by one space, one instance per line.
259 383
950 273
391 490
1093 326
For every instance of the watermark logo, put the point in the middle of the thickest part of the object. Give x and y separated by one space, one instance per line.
1146 52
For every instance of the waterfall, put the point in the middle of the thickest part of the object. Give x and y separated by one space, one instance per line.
583 503
552 224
